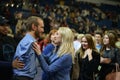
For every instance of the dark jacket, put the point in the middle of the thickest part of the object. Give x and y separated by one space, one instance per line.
7 47
5 70
7 50
114 55
84 69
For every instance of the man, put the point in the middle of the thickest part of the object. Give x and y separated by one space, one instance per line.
25 52
98 39
7 43
7 48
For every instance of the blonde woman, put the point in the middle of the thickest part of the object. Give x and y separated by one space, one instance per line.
58 64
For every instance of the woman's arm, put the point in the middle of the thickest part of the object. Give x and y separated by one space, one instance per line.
60 63
105 60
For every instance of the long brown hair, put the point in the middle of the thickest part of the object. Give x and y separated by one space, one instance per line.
112 42
91 44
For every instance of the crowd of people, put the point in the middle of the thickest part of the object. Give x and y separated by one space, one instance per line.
64 51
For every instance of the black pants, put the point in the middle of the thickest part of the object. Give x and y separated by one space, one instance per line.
22 78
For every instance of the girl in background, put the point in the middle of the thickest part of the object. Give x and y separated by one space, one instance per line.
110 55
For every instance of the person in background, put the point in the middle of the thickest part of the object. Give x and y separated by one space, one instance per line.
7 48
24 51
110 55
98 39
52 66
19 21
7 43
51 46
86 61
21 33
76 43
98 35
117 40
51 35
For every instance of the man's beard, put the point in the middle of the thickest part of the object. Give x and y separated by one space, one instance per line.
37 34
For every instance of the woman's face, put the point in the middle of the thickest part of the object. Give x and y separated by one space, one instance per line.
52 37
57 38
84 43
105 40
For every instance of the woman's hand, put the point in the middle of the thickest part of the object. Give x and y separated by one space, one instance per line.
89 53
36 48
17 64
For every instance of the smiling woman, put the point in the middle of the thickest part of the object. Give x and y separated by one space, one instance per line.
87 59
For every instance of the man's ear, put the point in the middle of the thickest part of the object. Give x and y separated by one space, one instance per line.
34 27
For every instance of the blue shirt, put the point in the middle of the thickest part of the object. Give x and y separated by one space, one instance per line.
98 46
54 67
25 53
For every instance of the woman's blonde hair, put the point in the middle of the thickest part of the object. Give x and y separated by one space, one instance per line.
66 46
